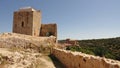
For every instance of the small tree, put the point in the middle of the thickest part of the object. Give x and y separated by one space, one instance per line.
100 51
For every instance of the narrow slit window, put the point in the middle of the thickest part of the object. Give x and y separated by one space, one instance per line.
22 24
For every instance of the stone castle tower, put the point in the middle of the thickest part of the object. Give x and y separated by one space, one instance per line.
28 21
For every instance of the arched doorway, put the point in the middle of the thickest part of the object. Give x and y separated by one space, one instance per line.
49 34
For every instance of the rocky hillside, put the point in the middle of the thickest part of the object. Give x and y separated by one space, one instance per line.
109 47
20 58
24 51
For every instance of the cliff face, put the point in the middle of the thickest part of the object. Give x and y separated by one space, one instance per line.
81 60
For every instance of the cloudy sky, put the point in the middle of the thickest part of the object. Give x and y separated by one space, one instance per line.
76 19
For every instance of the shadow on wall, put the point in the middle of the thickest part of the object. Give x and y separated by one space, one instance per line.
56 62
81 60
48 30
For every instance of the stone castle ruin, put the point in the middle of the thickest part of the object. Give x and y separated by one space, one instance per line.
30 34
28 21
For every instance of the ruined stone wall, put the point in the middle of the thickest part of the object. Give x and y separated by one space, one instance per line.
20 40
48 30
36 23
27 22
22 22
81 60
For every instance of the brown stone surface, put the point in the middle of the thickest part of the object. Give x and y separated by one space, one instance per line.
48 29
20 40
27 22
81 60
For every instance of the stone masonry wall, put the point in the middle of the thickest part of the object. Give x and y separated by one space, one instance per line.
27 22
48 29
81 60
22 22
36 23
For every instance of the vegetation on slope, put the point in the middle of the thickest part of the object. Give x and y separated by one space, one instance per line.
109 48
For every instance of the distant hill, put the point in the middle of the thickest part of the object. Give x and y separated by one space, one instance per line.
109 48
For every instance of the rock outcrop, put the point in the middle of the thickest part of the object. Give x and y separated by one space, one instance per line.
25 51
25 41
23 59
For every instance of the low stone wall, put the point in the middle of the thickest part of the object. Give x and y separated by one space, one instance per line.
20 40
81 60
